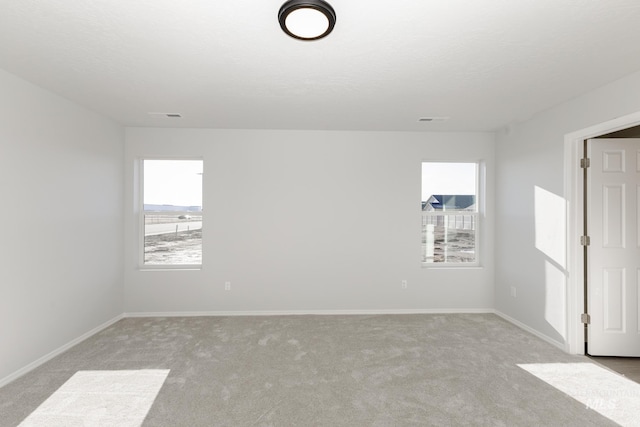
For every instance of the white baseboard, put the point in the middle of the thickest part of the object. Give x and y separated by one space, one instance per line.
562 346
31 366
308 312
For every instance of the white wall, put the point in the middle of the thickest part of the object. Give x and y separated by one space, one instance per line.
306 221
61 185
530 203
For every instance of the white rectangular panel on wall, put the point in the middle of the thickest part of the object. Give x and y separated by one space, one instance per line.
613 216
614 292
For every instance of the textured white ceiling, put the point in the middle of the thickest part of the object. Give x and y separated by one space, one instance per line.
227 64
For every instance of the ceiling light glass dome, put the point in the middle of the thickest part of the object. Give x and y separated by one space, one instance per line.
307 19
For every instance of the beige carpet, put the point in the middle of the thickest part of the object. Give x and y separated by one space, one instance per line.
385 370
599 389
100 398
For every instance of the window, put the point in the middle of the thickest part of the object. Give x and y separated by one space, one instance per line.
449 214
171 213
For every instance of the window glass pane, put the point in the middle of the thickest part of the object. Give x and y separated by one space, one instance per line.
172 197
176 184
449 212
170 239
449 238
448 186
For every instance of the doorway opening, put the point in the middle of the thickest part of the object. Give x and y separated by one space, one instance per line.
611 250
623 127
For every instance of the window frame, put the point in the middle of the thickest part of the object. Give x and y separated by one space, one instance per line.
477 215
142 214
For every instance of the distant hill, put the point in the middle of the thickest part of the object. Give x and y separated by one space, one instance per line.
172 208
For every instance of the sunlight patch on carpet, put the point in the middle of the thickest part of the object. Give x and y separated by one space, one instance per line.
599 389
100 398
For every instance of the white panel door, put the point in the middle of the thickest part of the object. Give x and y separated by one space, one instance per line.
614 254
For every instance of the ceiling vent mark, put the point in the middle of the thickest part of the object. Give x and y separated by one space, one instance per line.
169 115
433 119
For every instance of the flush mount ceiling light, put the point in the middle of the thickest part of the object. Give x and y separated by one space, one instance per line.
307 19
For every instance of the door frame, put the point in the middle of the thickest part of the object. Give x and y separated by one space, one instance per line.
574 187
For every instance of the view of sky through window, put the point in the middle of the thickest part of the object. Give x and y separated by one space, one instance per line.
448 178
173 182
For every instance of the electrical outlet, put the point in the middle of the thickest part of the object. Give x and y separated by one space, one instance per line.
227 286
404 284
513 291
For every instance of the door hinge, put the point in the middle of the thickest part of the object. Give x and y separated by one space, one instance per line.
585 162
585 240
585 318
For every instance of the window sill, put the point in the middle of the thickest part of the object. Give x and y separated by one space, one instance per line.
171 268
452 267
